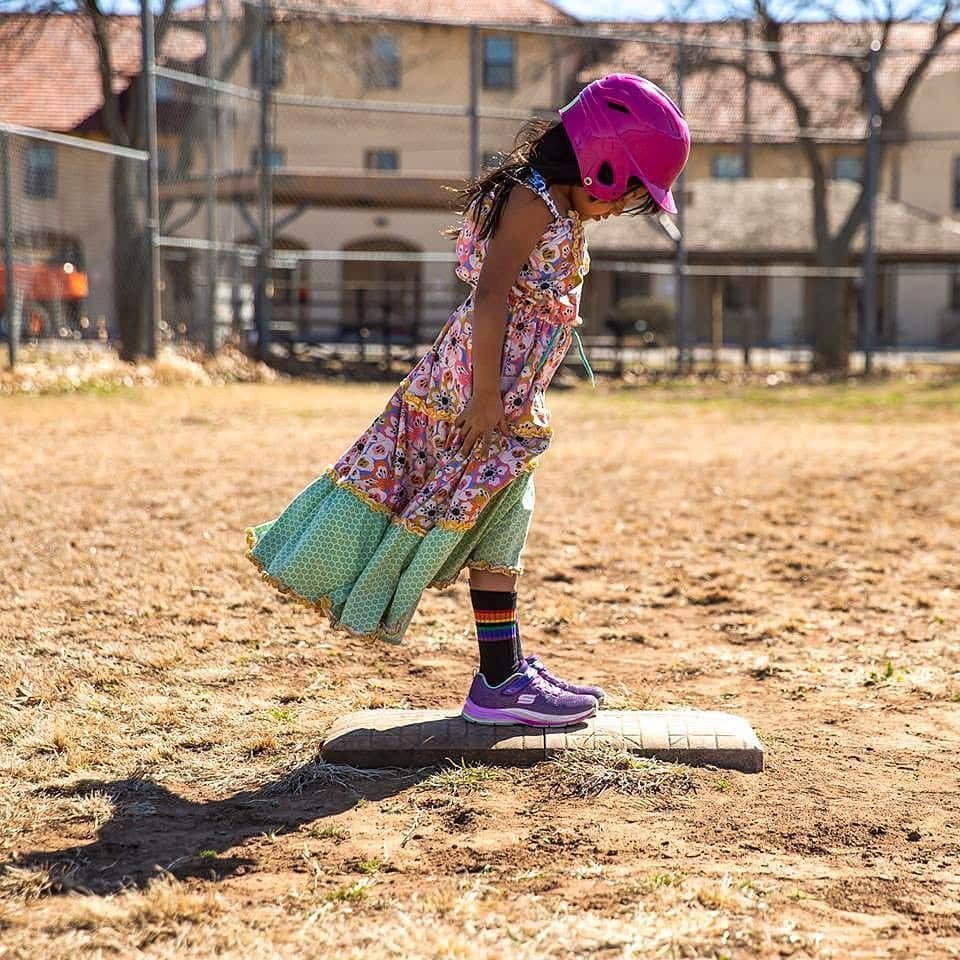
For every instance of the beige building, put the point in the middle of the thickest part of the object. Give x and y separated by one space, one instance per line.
392 64
741 131
374 53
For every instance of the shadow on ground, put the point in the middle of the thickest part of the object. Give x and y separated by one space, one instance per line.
153 830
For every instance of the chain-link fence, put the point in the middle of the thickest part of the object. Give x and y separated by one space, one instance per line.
72 216
302 209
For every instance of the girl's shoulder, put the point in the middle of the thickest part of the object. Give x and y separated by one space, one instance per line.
555 202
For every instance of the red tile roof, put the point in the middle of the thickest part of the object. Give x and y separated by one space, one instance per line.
48 66
450 11
829 86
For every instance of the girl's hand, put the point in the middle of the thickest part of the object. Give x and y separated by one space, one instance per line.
482 415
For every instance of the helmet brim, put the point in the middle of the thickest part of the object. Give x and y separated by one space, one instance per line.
663 198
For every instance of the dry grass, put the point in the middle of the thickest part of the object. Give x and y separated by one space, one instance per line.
590 770
84 369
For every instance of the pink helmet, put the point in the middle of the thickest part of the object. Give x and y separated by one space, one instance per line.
630 125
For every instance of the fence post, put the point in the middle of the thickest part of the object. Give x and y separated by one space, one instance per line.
746 140
716 322
474 107
148 76
209 107
680 263
13 314
870 188
265 240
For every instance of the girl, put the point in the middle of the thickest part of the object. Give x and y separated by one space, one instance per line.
442 478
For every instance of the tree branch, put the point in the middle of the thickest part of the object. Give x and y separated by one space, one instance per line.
100 28
772 31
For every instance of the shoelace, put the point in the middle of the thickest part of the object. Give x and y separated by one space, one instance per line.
533 679
528 676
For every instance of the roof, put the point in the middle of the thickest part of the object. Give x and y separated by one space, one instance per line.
444 11
490 11
49 74
830 86
736 217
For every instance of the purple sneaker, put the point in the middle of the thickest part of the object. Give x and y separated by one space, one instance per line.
584 689
525 697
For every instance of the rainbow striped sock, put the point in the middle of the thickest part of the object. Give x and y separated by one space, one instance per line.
498 636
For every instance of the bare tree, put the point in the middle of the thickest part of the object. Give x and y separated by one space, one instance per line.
808 86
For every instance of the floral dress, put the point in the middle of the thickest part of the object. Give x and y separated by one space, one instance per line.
400 511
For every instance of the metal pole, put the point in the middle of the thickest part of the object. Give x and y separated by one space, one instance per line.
152 298
746 145
10 289
474 108
556 82
680 264
870 187
265 240
209 108
716 324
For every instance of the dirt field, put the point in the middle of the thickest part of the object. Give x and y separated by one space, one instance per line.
787 553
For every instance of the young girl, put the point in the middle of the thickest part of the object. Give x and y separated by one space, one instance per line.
442 478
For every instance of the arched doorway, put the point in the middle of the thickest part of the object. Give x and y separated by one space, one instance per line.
381 299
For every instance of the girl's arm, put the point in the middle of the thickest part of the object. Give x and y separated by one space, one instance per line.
522 223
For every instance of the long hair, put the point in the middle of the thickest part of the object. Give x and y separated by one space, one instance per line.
541 145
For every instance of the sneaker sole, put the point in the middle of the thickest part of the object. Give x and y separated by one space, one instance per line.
509 717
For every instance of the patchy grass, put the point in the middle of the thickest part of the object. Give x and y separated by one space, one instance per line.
162 710
590 770
462 777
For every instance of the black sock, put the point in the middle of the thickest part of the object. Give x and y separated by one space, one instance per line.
497 635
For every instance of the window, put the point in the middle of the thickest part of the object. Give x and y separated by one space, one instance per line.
956 183
498 58
278 158
382 160
848 168
728 166
384 68
279 57
40 174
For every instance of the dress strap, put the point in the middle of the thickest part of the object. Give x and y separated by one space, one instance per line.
538 185
583 356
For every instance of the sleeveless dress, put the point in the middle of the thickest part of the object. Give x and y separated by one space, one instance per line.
399 511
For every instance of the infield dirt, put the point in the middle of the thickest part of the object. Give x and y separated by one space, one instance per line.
789 554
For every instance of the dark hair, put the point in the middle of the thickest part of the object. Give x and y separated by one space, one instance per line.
541 145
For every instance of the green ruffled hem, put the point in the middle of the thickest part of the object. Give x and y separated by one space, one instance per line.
331 551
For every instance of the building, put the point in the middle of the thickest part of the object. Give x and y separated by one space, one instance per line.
748 172
747 187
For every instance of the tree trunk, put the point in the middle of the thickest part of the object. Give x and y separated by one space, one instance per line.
129 260
830 323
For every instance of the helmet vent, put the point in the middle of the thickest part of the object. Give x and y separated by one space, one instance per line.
613 105
605 174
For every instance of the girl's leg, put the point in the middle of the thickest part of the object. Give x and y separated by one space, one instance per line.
487 580
494 599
